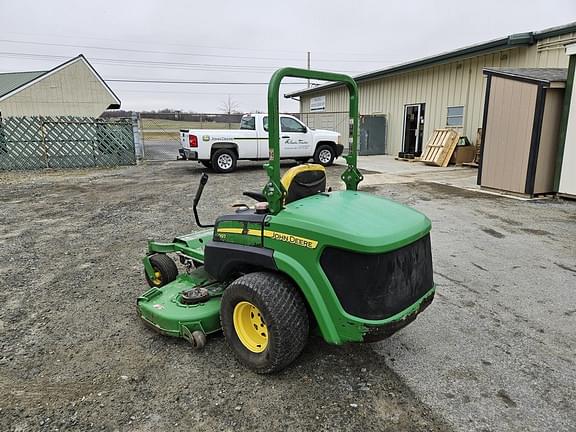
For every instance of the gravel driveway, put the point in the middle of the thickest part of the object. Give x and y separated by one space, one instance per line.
495 351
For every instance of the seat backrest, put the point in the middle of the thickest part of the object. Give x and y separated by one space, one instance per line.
304 180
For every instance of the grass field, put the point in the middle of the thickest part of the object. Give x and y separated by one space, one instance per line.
160 135
162 129
174 125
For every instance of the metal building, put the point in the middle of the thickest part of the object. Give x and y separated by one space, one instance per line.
73 88
401 105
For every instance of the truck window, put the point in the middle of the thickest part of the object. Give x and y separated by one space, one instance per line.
248 123
290 125
265 123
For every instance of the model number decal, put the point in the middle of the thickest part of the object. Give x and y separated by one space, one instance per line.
274 235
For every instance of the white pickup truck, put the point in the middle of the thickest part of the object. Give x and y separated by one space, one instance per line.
221 149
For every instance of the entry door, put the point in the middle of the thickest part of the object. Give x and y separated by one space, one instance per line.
372 135
413 129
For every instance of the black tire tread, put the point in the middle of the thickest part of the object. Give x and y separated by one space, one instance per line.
214 160
166 266
319 149
286 316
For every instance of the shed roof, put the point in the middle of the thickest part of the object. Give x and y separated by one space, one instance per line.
543 75
11 81
518 39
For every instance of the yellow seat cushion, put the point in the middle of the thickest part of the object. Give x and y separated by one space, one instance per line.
303 180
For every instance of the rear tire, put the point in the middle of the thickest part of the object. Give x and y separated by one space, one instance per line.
224 161
324 155
164 268
282 321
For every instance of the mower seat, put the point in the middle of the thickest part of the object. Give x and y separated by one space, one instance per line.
304 180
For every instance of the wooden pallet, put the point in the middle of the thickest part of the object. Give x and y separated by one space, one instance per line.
470 164
416 159
478 144
440 147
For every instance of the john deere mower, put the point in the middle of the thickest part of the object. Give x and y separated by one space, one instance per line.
350 265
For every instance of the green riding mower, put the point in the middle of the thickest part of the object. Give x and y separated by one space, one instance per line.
347 264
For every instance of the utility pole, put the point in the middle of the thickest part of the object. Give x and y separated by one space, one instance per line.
308 68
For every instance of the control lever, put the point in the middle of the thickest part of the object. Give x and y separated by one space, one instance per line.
203 181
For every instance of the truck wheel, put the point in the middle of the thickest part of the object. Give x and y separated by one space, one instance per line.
324 155
206 163
165 270
264 320
224 161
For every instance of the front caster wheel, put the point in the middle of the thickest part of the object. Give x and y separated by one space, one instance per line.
198 340
264 320
165 270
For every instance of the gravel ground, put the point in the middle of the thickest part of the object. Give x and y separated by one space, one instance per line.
74 356
162 149
495 351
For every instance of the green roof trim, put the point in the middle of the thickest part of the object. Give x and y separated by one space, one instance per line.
519 39
11 81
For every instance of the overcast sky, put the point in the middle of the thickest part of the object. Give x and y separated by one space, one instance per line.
245 41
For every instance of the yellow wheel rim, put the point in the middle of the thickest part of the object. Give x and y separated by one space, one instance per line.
250 327
157 278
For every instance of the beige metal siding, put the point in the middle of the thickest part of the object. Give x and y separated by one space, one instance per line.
544 181
459 82
508 134
71 91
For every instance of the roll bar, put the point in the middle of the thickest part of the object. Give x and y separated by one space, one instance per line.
274 191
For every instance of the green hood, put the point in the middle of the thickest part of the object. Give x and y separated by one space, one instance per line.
353 220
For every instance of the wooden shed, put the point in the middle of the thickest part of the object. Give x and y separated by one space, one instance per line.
521 122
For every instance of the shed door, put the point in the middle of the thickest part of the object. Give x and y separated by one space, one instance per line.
372 135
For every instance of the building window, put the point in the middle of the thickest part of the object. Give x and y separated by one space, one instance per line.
455 116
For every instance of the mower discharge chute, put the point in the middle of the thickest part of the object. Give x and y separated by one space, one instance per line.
351 265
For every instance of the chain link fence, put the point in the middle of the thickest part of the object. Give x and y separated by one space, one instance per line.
161 131
28 143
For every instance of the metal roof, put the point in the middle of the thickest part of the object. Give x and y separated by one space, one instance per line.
518 39
545 75
11 81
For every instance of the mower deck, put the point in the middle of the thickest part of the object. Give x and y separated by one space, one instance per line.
164 308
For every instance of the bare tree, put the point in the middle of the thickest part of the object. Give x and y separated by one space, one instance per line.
228 107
